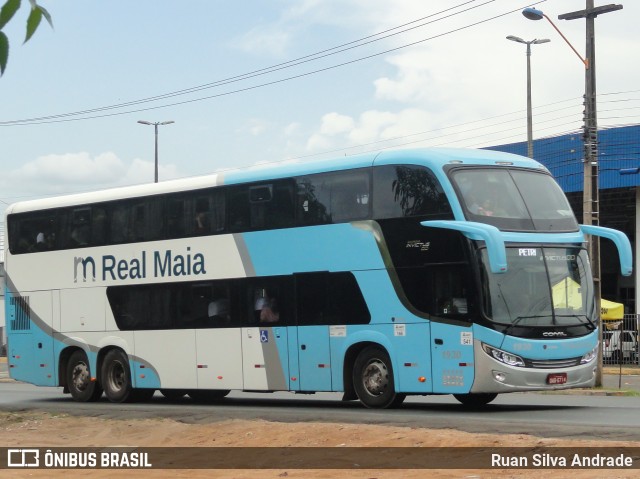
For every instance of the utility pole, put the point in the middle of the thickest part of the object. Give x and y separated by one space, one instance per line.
590 202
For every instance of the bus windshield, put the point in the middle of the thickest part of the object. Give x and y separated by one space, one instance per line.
516 200
543 287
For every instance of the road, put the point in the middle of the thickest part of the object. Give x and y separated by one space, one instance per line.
545 415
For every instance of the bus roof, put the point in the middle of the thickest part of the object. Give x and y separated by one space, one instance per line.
434 158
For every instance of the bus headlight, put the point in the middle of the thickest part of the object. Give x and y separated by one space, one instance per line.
590 356
503 356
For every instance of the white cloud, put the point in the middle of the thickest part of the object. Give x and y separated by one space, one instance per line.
268 40
291 129
413 81
71 168
334 123
318 142
257 127
338 130
73 172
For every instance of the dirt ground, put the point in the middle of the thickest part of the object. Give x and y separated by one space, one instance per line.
46 430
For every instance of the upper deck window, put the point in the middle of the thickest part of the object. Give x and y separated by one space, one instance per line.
515 200
335 197
401 191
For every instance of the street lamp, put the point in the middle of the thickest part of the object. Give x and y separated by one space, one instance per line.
535 14
529 114
156 124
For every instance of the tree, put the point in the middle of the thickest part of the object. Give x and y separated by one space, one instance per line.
7 12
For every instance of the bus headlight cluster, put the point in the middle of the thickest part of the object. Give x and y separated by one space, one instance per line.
590 356
503 356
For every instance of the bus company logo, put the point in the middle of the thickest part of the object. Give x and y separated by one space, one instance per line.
85 263
157 264
23 458
554 334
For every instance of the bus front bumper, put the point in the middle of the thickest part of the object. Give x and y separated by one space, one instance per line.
493 376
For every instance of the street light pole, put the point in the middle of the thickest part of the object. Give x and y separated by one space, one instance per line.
590 209
155 125
529 108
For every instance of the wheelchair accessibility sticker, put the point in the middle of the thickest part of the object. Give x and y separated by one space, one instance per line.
264 336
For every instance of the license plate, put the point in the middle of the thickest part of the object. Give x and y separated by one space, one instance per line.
557 378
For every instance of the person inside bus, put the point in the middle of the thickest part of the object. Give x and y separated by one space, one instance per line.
218 311
202 225
40 243
268 307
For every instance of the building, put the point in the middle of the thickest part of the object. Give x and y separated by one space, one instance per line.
619 175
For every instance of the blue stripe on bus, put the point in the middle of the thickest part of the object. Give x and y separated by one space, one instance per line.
279 252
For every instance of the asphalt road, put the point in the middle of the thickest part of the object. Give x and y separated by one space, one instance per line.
547 415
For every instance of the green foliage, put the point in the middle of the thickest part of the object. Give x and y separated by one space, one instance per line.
7 12
4 52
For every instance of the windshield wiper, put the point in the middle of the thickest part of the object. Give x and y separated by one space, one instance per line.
520 318
586 320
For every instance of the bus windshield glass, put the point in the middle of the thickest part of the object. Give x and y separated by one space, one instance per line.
542 287
515 200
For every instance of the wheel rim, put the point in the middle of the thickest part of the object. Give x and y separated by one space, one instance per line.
375 377
116 379
80 376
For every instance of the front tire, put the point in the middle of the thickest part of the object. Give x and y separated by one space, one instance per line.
373 379
116 377
79 382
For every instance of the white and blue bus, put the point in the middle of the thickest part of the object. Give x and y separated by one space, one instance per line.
410 272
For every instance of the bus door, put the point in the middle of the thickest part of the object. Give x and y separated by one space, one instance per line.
315 311
314 358
452 360
30 345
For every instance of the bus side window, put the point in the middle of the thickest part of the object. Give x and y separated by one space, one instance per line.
313 209
269 301
175 217
402 191
80 231
238 208
33 233
119 224
98 225
330 298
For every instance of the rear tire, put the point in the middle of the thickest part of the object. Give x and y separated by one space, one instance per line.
373 379
116 377
475 400
78 377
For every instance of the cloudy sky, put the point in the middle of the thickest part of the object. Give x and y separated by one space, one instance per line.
268 80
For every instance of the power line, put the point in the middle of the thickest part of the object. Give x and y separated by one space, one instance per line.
280 66
63 117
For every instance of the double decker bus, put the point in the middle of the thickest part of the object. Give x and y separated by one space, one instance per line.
409 272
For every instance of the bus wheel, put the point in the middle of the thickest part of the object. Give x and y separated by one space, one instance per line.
116 376
79 382
173 394
373 379
208 395
475 400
